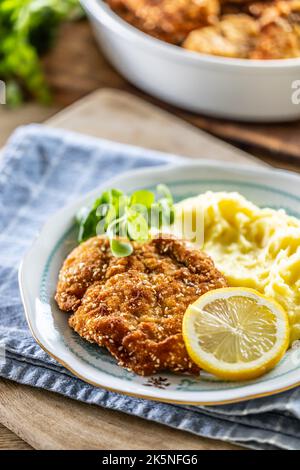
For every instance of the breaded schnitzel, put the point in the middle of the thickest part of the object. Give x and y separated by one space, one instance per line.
169 20
134 306
248 29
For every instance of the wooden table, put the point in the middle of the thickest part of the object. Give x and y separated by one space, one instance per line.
90 71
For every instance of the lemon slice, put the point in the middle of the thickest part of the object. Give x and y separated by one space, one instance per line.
235 333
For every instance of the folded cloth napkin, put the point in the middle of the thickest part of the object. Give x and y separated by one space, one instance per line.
39 168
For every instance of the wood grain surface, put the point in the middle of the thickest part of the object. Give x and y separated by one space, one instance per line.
123 117
49 421
10 441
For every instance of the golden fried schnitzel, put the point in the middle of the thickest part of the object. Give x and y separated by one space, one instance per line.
248 29
231 37
134 306
170 20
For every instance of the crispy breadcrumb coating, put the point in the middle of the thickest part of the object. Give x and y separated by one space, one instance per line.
169 20
134 306
231 37
248 29
279 36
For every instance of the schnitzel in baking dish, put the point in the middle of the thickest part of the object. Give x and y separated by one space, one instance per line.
144 285
246 29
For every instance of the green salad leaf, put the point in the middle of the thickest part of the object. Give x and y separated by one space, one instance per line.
124 218
120 249
137 225
143 197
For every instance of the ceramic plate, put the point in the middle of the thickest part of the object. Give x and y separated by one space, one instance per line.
39 271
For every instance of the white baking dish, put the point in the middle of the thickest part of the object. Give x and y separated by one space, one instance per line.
231 88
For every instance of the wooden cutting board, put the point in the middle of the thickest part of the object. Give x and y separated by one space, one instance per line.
46 420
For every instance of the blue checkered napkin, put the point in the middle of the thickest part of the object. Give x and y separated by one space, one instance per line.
38 172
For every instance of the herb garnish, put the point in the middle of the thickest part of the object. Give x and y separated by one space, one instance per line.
124 218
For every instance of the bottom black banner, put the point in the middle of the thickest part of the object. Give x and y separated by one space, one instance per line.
139 459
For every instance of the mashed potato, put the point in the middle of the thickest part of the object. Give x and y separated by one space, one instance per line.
252 247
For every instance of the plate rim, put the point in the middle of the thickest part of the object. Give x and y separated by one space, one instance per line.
123 176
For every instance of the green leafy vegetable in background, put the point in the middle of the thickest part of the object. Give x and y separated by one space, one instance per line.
27 29
116 214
